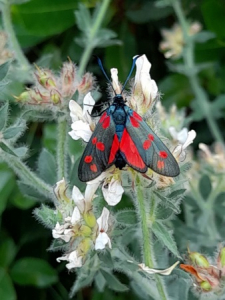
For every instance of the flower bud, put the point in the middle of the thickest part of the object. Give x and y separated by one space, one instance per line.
86 83
84 246
205 285
67 78
23 97
60 191
45 78
85 230
89 219
199 260
55 96
221 261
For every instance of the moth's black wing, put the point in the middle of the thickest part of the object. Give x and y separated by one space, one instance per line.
95 158
152 150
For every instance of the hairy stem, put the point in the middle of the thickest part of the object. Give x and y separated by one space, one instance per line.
93 33
148 252
27 176
188 55
6 17
61 149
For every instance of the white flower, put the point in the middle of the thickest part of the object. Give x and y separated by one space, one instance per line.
115 82
154 271
102 238
59 232
180 136
82 122
65 231
143 84
83 202
74 260
112 191
179 150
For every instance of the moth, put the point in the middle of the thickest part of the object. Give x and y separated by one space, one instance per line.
121 138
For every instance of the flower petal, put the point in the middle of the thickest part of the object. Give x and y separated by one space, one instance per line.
113 192
78 198
155 271
102 240
103 220
80 129
73 259
191 136
76 112
75 216
87 109
115 82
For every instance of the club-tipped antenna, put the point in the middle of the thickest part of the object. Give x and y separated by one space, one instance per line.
103 71
131 70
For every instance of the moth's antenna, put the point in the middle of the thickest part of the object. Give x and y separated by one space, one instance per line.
103 71
131 70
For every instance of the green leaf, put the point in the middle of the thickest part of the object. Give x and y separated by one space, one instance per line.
140 16
83 18
177 194
82 281
21 151
203 36
7 149
48 216
7 184
165 236
30 191
47 167
105 258
100 281
126 217
213 13
37 19
205 186
12 131
7 290
3 116
219 205
113 283
4 69
33 271
8 251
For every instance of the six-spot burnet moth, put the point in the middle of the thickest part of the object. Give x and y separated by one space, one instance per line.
122 138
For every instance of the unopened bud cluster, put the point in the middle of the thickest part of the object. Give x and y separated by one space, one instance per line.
55 90
207 277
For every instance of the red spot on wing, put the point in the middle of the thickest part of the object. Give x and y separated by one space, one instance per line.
134 122
100 146
94 140
137 116
103 117
163 154
106 122
93 168
151 137
130 151
147 144
114 148
88 159
160 164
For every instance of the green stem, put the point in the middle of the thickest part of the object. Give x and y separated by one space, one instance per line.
188 55
6 17
93 33
28 176
148 252
61 149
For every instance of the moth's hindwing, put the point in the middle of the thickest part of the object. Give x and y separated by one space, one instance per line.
95 158
152 152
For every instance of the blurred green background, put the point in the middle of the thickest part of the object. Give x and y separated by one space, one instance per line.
48 33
